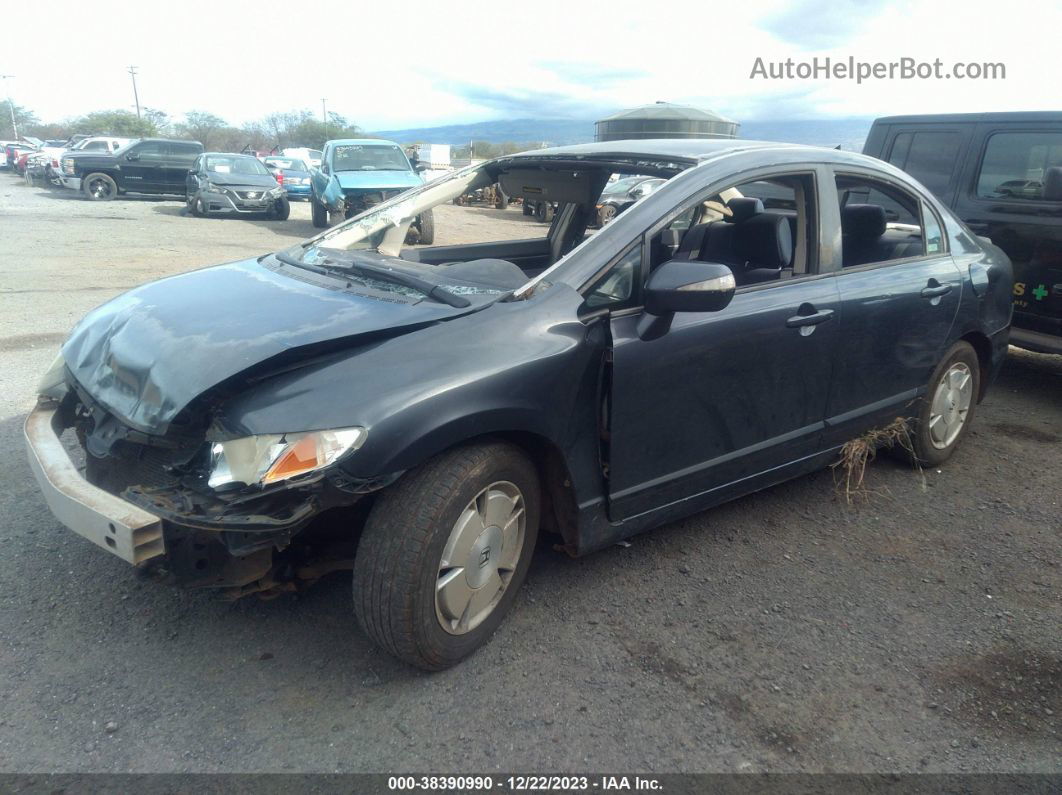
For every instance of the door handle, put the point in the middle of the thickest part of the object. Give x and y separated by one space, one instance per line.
798 321
935 291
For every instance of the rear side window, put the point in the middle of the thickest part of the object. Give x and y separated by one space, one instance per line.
880 222
1015 165
931 231
184 150
95 146
928 156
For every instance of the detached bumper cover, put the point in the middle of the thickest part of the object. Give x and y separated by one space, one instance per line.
130 532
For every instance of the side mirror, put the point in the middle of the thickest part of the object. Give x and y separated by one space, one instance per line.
418 167
1052 191
191 171
132 156
689 286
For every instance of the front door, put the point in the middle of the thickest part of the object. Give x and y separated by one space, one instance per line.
721 397
142 168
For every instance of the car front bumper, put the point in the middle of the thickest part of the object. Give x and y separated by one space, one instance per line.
126 530
70 182
228 203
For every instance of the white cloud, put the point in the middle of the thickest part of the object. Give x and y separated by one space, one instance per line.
422 63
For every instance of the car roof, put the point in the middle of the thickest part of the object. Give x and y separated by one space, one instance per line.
362 141
692 150
229 154
952 118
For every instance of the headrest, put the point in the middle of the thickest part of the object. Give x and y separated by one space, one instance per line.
743 209
765 241
863 220
1052 184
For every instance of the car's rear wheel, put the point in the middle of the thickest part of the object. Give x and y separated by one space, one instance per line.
318 214
444 552
947 409
99 187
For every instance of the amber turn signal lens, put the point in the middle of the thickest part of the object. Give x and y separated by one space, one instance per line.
300 457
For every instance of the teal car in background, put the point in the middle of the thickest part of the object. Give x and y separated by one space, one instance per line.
359 173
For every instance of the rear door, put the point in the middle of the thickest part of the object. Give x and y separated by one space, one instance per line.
932 154
900 293
1004 199
180 158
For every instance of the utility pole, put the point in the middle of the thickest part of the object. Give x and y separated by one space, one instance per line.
136 97
324 111
10 105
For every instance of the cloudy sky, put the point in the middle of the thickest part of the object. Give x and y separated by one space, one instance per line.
411 64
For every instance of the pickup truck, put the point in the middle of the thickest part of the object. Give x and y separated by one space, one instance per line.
356 174
150 165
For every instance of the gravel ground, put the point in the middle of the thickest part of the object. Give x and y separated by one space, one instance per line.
917 629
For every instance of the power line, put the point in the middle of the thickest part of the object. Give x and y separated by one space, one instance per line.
136 97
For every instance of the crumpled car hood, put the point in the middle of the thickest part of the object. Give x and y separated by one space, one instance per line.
148 353
377 180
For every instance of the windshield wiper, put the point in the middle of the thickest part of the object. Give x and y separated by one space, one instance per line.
433 291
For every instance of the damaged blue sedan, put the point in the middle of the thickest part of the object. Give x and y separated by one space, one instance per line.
421 415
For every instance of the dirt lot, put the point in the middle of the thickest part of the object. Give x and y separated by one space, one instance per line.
918 630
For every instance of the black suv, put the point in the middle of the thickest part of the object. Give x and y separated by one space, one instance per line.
1001 173
150 165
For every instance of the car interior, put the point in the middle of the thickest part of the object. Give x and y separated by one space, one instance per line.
764 230
879 223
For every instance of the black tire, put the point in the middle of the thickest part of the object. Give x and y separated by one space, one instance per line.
396 568
99 187
318 214
281 209
540 211
427 228
501 201
193 205
926 451
525 208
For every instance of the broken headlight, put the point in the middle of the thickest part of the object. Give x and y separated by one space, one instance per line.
270 458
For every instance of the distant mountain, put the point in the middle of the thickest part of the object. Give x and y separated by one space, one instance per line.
555 132
848 133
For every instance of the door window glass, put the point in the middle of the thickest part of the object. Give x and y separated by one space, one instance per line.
95 146
879 222
929 157
1015 166
616 288
149 150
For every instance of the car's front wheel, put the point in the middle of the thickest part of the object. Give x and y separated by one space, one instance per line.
444 551
946 411
281 210
318 214
99 187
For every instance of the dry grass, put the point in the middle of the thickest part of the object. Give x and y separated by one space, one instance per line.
850 469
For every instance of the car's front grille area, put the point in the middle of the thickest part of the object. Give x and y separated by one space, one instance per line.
252 195
131 464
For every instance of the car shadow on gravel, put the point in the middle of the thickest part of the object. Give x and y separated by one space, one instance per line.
295 228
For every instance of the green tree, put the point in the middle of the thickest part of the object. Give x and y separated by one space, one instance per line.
203 127
116 122
24 118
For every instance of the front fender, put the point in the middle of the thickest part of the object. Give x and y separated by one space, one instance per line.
524 367
332 196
